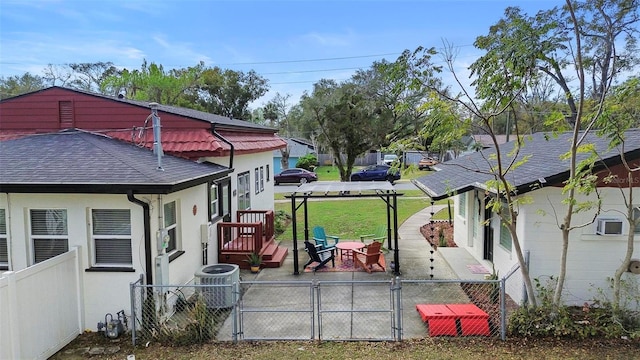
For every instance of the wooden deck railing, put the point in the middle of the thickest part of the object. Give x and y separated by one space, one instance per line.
266 217
250 233
235 237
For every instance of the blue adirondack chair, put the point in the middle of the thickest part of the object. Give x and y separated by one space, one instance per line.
324 240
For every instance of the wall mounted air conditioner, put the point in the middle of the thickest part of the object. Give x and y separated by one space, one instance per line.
609 227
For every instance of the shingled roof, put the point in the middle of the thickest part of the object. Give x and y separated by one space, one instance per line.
543 167
81 162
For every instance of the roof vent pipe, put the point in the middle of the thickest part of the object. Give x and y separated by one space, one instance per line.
157 138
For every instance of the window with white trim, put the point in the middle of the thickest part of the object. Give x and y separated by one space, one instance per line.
268 174
49 233
257 177
244 191
4 245
505 235
261 178
214 203
111 235
462 204
171 225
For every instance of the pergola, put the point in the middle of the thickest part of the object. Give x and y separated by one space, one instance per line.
326 190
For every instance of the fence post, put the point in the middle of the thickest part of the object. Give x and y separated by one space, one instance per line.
235 297
79 287
396 286
503 308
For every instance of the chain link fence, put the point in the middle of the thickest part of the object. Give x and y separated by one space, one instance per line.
385 310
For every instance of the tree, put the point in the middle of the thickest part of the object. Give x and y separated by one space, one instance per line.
620 115
520 47
16 85
153 83
496 88
348 123
229 92
275 112
89 76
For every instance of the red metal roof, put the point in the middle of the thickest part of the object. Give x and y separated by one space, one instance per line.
193 143
252 142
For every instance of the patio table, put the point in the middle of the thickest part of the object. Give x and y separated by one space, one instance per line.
347 247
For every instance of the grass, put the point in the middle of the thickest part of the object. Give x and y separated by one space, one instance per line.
430 348
350 218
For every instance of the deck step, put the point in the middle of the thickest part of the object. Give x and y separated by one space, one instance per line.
277 259
269 250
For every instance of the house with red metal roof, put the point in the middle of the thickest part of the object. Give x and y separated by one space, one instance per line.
141 189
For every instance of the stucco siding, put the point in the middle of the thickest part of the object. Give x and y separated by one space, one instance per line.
108 291
591 258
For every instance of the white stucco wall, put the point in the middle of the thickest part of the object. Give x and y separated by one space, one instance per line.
108 291
243 163
591 258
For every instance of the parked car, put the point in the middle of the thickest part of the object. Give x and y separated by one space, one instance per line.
376 173
295 175
389 159
426 163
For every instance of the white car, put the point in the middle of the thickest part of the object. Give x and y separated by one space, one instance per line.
389 159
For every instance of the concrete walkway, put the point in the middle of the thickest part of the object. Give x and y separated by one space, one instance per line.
275 291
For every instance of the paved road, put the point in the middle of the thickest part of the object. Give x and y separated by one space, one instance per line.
288 188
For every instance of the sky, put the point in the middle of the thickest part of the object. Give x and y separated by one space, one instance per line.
291 43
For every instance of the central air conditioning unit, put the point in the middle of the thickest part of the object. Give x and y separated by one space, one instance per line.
220 279
609 227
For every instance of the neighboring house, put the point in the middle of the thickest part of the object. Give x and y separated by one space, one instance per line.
297 149
57 178
108 197
594 254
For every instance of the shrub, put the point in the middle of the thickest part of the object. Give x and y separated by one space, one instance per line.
307 162
598 320
282 220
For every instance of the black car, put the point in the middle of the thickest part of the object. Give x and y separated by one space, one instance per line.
295 175
376 173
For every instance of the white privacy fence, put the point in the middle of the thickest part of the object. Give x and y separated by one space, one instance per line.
40 308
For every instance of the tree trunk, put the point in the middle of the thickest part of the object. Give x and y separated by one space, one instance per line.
284 160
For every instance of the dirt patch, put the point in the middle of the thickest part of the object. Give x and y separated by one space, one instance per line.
432 232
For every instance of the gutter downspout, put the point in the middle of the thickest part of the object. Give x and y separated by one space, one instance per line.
147 235
213 131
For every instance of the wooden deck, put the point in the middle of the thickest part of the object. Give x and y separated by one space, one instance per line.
253 232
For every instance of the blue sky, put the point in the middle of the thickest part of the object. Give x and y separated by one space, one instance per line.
291 43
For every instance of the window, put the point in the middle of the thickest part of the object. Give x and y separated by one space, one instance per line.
171 226
505 236
226 199
268 175
257 177
214 203
49 234
4 250
244 191
261 178
111 234
462 204
636 219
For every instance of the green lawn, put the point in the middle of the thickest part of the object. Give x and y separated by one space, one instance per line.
349 218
